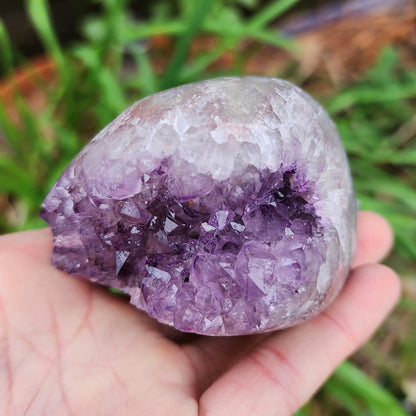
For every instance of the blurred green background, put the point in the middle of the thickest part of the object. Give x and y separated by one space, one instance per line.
69 67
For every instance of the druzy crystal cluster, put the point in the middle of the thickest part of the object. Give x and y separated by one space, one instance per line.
222 207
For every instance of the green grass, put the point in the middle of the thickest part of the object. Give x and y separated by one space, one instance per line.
371 116
375 117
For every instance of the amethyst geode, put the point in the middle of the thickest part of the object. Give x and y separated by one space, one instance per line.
222 207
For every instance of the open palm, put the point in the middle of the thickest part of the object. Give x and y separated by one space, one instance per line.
70 348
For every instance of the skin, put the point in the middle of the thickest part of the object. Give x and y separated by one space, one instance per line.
68 347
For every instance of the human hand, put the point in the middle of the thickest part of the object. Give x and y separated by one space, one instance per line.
70 348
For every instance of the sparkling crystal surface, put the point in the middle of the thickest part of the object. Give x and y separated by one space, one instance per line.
222 207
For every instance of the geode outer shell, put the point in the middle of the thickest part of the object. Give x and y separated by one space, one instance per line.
222 207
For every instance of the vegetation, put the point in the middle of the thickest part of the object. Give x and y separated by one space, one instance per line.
115 65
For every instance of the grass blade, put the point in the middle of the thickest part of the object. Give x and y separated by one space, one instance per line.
15 180
273 38
269 13
145 77
6 54
201 9
356 382
344 397
10 131
40 16
143 31
371 95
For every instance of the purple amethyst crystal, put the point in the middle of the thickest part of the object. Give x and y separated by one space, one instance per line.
222 207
